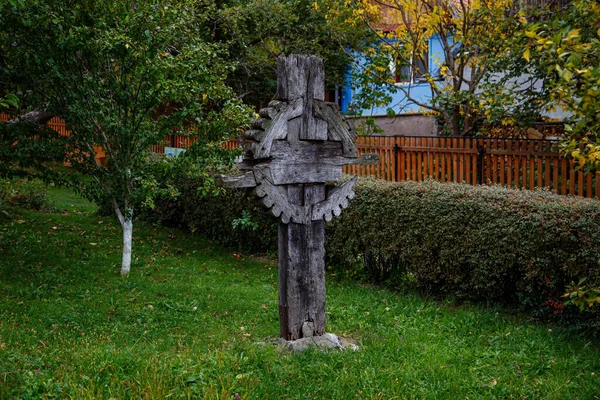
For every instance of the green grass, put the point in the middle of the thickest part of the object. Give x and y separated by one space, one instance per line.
189 320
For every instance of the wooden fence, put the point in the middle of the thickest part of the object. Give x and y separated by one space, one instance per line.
59 126
517 163
184 142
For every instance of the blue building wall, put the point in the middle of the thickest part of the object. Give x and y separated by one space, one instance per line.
400 104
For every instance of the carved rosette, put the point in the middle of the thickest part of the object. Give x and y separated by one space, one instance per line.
299 140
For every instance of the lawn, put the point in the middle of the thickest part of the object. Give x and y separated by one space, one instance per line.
195 320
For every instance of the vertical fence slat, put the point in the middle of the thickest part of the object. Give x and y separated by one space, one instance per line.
540 167
454 162
580 184
555 162
547 165
532 170
506 162
402 144
520 147
461 161
443 170
420 160
572 174
468 157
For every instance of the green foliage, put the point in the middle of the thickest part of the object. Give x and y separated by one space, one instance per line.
197 202
458 83
27 151
123 75
479 243
256 32
581 296
10 100
565 50
245 222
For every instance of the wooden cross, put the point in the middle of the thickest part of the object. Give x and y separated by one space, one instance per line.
299 143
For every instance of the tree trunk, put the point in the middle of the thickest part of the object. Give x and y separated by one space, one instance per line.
126 221
127 242
456 117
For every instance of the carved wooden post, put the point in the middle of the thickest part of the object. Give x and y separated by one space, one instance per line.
302 246
300 143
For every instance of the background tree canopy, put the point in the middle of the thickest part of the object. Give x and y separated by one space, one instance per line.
256 32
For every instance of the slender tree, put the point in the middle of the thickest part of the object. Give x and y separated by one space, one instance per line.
123 75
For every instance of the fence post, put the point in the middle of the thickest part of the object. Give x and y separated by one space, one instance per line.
480 154
396 160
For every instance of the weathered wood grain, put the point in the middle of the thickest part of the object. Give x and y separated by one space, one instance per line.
328 152
338 128
261 123
275 199
337 199
289 173
300 76
299 143
278 128
303 77
302 271
245 180
254 134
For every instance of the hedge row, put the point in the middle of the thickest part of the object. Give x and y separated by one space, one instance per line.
477 243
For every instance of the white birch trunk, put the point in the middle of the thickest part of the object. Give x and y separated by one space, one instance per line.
126 221
127 241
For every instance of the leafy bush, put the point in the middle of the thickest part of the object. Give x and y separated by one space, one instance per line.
22 193
478 243
192 198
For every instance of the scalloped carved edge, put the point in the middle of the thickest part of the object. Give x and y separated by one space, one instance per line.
275 199
337 200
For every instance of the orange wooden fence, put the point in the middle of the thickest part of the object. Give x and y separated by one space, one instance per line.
517 163
59 126
184 142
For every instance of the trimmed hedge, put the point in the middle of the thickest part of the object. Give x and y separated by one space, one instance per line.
477 243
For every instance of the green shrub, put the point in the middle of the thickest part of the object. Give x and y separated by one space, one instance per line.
23 194
479 243
193 199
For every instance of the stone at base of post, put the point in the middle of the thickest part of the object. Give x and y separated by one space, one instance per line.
327 341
